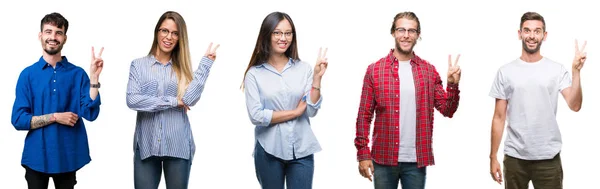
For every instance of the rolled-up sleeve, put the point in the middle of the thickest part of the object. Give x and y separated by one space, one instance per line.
259 116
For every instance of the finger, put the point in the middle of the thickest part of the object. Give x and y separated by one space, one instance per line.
319 55
499 177
583 47
215 50
209 48
449 61
372 168
93 54
456 62
325 53
101 50
576 46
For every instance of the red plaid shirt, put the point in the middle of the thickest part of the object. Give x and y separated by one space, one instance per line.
381 95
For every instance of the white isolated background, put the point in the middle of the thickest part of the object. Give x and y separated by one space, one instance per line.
356 33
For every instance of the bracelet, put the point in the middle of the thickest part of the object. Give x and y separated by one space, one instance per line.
316 88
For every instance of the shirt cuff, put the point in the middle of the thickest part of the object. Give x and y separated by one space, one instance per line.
268 117
96 102
206 61
171 100
453 86
316 105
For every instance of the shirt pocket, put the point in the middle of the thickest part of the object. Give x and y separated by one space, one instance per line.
149 88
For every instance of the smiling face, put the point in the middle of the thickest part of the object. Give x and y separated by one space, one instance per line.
406 34
52 38
532 34
281 37
168 36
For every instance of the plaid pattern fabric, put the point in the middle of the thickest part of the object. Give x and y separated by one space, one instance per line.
381 95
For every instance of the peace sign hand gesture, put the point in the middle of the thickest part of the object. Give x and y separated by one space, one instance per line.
321 64
212 53
453 70
580 56
96 65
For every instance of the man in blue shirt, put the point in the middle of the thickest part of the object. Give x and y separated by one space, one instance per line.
51 96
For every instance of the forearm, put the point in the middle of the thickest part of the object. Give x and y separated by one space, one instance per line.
283 116
315 93
146 103
576 96
447 100
196 86
41 121
496 136
93 91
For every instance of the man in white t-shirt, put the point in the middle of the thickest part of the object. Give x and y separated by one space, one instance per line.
526 92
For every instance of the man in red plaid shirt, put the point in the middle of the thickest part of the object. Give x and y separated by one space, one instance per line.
402 90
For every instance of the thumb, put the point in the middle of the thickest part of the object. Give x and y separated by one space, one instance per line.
372 168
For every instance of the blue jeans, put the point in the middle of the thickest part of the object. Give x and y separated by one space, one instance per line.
273 172
411 177
147 172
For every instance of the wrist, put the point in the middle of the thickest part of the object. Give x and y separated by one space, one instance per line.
53 117
317 79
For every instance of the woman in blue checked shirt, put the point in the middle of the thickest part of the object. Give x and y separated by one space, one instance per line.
282 92
161 89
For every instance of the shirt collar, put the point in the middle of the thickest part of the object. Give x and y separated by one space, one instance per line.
155 61
289 63
42 64
415 60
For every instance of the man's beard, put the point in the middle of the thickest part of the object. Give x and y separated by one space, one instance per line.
399 49
534 50
53 51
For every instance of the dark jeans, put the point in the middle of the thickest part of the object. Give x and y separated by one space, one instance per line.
39 180
272 172
544 174
147 172
409 175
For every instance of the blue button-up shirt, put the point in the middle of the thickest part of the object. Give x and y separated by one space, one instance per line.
266 91
163 128
42 89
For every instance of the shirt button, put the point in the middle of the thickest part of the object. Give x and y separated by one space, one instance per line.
158 140
396 95
54 80
396 110
395 66
396 127
54 71
54 90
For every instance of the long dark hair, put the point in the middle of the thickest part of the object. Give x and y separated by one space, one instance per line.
262 50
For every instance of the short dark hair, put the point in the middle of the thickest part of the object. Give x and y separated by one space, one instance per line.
408 15
55 19
532 16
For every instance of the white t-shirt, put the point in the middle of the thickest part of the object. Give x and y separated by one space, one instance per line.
408 113
531 90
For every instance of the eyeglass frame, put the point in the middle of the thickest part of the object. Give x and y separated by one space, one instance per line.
278 34
174 34
411 32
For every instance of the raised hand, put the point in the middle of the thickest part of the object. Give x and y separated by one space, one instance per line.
212 53
453 70
580 56
97 64
321 64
